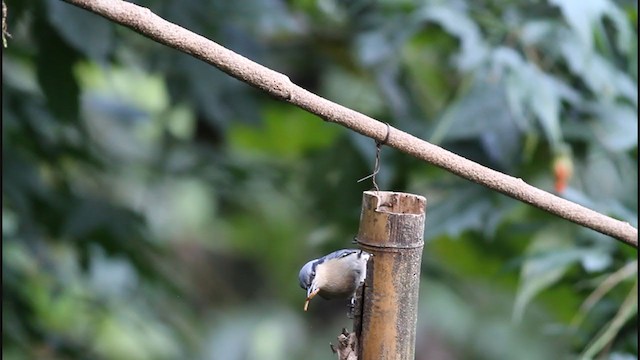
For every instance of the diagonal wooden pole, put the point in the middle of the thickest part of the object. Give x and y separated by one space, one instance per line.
145 22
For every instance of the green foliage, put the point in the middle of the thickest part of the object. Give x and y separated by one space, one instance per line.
288 133
154 207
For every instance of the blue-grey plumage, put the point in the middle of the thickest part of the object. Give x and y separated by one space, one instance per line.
336 275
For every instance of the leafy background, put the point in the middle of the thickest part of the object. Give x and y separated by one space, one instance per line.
155 208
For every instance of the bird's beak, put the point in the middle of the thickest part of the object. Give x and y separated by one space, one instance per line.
311 292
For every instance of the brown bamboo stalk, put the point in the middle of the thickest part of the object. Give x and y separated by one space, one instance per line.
391 229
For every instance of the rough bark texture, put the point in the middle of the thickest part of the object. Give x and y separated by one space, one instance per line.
347 348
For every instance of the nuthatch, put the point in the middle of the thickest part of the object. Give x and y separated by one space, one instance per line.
336 275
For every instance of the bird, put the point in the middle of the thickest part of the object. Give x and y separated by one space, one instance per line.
335 275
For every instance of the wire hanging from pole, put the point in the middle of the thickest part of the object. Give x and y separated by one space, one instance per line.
376 166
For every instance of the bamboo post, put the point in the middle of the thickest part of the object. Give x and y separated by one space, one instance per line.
392 229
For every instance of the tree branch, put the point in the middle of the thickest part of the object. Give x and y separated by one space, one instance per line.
145 22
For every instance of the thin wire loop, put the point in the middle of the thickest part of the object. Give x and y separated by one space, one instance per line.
376 167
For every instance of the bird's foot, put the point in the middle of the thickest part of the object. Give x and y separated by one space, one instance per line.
351 307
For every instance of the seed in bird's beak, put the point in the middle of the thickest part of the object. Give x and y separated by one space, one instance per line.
311 295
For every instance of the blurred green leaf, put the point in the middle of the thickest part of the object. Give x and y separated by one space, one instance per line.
585 17
482 113
473 49
55 73
457 212
533 92
287 132
598 73
549 256
89 35
616 126
627 310
354 92
612 280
